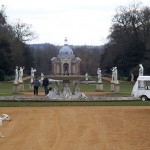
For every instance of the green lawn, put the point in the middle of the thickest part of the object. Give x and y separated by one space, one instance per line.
125 87
125 90
6 88
47 104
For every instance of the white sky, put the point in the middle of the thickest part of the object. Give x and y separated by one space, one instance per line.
83 22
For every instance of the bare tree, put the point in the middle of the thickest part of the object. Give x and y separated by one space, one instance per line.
23 31
129 37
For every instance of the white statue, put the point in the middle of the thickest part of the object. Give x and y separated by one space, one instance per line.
141 70
56 88
115 75
42 76
112 78
86 76
21 74
132 76
32 74
16 75
66 91
99 75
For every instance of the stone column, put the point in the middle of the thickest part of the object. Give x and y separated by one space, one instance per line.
70 71
55 69
62 70
77 69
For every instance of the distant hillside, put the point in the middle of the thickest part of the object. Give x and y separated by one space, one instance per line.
47 45
40 46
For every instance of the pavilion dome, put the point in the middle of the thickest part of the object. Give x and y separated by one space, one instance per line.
65 51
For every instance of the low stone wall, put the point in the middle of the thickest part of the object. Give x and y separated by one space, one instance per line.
110 98
43 99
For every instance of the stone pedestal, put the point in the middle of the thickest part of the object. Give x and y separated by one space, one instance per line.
15 87
86 82
112 87
116 87
21 86
99 86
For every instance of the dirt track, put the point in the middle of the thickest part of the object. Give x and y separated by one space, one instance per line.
76 128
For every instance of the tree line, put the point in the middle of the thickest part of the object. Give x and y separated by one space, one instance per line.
128 46
129 40
13 48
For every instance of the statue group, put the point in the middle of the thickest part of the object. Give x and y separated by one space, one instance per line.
115 74
18 75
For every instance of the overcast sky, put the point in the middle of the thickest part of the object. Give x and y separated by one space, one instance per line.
83 22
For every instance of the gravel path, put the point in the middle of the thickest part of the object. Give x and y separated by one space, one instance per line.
76 128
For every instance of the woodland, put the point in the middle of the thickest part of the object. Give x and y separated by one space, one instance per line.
128 46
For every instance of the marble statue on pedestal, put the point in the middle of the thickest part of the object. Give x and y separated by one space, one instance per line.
32 74
21 74
116 75
112 78
99 75
86 76
141 70
16 75
42 76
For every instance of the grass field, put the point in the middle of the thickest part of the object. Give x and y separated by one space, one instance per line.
47 104
125 87
125 90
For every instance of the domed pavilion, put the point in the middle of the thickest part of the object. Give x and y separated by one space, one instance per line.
66 63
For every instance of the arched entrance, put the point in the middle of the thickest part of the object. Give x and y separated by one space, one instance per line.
66 69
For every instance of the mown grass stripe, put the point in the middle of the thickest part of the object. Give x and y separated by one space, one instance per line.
47 104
